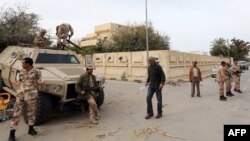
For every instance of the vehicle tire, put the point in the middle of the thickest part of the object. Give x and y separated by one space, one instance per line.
100 98
44 105
1 83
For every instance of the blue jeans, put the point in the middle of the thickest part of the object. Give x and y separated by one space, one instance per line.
150 94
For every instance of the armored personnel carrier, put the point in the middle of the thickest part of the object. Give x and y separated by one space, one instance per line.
60 70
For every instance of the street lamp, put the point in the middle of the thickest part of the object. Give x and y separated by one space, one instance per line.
146 8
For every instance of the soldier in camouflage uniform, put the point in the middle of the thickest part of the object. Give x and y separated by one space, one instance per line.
39 39
30 79
228 80
62 32
87 87
221 78
236 75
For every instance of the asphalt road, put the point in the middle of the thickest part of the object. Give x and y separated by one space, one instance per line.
122 116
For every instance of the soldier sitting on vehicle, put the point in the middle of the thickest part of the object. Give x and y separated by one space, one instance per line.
87 88
39 39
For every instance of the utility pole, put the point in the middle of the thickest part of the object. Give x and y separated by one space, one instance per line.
146 8
228 48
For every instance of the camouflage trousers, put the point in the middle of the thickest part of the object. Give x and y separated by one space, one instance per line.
221 88
93 109
31 110
228 85
237 82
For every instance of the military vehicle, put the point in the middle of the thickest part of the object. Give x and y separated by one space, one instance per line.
60 70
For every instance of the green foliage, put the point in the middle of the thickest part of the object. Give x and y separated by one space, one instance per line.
17 26
133 38
239 49
219 48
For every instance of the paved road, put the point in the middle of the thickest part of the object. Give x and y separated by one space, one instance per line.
122 116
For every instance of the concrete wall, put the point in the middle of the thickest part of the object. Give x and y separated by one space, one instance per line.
132 66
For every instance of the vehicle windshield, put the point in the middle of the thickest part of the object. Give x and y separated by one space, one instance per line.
44 58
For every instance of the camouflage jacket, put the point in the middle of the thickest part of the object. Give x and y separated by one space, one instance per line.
84 84
221 75
236 70
30 82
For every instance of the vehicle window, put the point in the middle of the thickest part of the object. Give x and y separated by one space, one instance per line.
44 58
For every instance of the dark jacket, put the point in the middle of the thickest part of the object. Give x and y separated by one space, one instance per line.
156 76
83 83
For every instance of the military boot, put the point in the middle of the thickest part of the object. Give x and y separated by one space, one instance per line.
32 131
92 120
12 135
239 91
223 98
229 94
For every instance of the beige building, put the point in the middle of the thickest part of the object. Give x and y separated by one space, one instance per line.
103 32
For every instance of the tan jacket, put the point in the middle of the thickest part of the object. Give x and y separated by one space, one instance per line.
191 74
221 75
236 69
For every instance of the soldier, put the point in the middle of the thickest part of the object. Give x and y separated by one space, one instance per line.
27 94
86 87
39 39
228 82
62 32
155 83
236 76
195 78
221 78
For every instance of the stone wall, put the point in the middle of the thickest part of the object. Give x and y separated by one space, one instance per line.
132 66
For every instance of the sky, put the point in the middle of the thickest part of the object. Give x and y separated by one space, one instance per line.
191 24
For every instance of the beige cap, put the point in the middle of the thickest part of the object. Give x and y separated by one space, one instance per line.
89 67
151 58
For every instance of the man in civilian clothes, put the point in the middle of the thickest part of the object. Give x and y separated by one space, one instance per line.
195 78
155 82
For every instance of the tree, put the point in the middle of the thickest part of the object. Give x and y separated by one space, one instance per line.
133 38
219 48
17 26
239 49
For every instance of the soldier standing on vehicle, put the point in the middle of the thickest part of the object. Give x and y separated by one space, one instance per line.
195 78
236 76
62 32
221 78
155 82
39 39
27 94
87 88
228 80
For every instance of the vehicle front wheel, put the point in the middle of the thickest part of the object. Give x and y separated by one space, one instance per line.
44 105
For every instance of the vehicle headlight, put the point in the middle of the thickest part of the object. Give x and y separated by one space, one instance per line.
57 88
